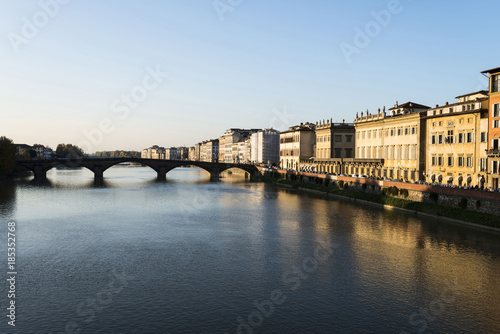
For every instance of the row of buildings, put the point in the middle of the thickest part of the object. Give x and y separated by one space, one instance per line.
37 151
453 144
236 145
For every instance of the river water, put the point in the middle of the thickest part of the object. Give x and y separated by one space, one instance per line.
133 255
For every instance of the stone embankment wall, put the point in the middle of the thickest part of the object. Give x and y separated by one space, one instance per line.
473 200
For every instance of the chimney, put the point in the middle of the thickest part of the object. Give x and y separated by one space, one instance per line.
446 103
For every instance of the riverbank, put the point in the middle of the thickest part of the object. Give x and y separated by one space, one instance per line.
456 215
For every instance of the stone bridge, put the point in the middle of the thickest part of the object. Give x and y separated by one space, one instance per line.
162 167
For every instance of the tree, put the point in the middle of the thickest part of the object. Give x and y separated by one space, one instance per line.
69 151
7 156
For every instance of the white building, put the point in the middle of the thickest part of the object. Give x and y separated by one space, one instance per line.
265 147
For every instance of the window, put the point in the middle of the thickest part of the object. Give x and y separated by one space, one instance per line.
348 152
483 137
348 138
386 133
433 123
450 123
450 161
400 131
461 121
433 139
440 123
368 134
413 130
482 164
363 135
470 138
496 124
495 83
440 161
469 120
338 138
338 153
440 139
460 161
449 138
460 137
433 161
450 110
494 144
374 133
392 132
380 133
469 161
407 131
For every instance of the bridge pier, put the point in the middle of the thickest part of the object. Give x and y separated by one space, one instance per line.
39 172
214 176
162 173
98 173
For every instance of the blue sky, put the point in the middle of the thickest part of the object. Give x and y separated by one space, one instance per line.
238 63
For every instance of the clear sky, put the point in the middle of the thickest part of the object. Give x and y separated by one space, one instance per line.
123 74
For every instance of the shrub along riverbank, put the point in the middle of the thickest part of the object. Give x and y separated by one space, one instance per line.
428 208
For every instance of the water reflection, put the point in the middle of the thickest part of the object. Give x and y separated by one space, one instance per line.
7 197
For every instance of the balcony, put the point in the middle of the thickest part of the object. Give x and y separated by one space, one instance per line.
493 152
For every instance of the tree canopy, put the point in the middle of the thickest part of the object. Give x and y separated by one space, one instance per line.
69 151
7 156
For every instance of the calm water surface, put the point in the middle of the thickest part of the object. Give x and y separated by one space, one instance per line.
133 255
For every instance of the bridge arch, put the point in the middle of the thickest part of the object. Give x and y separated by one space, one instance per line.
162 167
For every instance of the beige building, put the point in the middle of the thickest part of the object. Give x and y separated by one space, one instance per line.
153 152
397 137
209 150
297 143
334 142
226 152
457 141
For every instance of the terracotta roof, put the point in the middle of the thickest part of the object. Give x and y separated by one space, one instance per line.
410 104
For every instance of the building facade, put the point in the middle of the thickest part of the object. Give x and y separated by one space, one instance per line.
209 150
265 147
457 136
227 153
493 152
397 137
296 143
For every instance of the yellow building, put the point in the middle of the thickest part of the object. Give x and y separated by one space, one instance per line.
457 140
296 143
494 129
397 137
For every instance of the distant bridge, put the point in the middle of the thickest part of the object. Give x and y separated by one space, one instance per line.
99 166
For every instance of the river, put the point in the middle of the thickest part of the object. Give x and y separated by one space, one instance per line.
135 255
